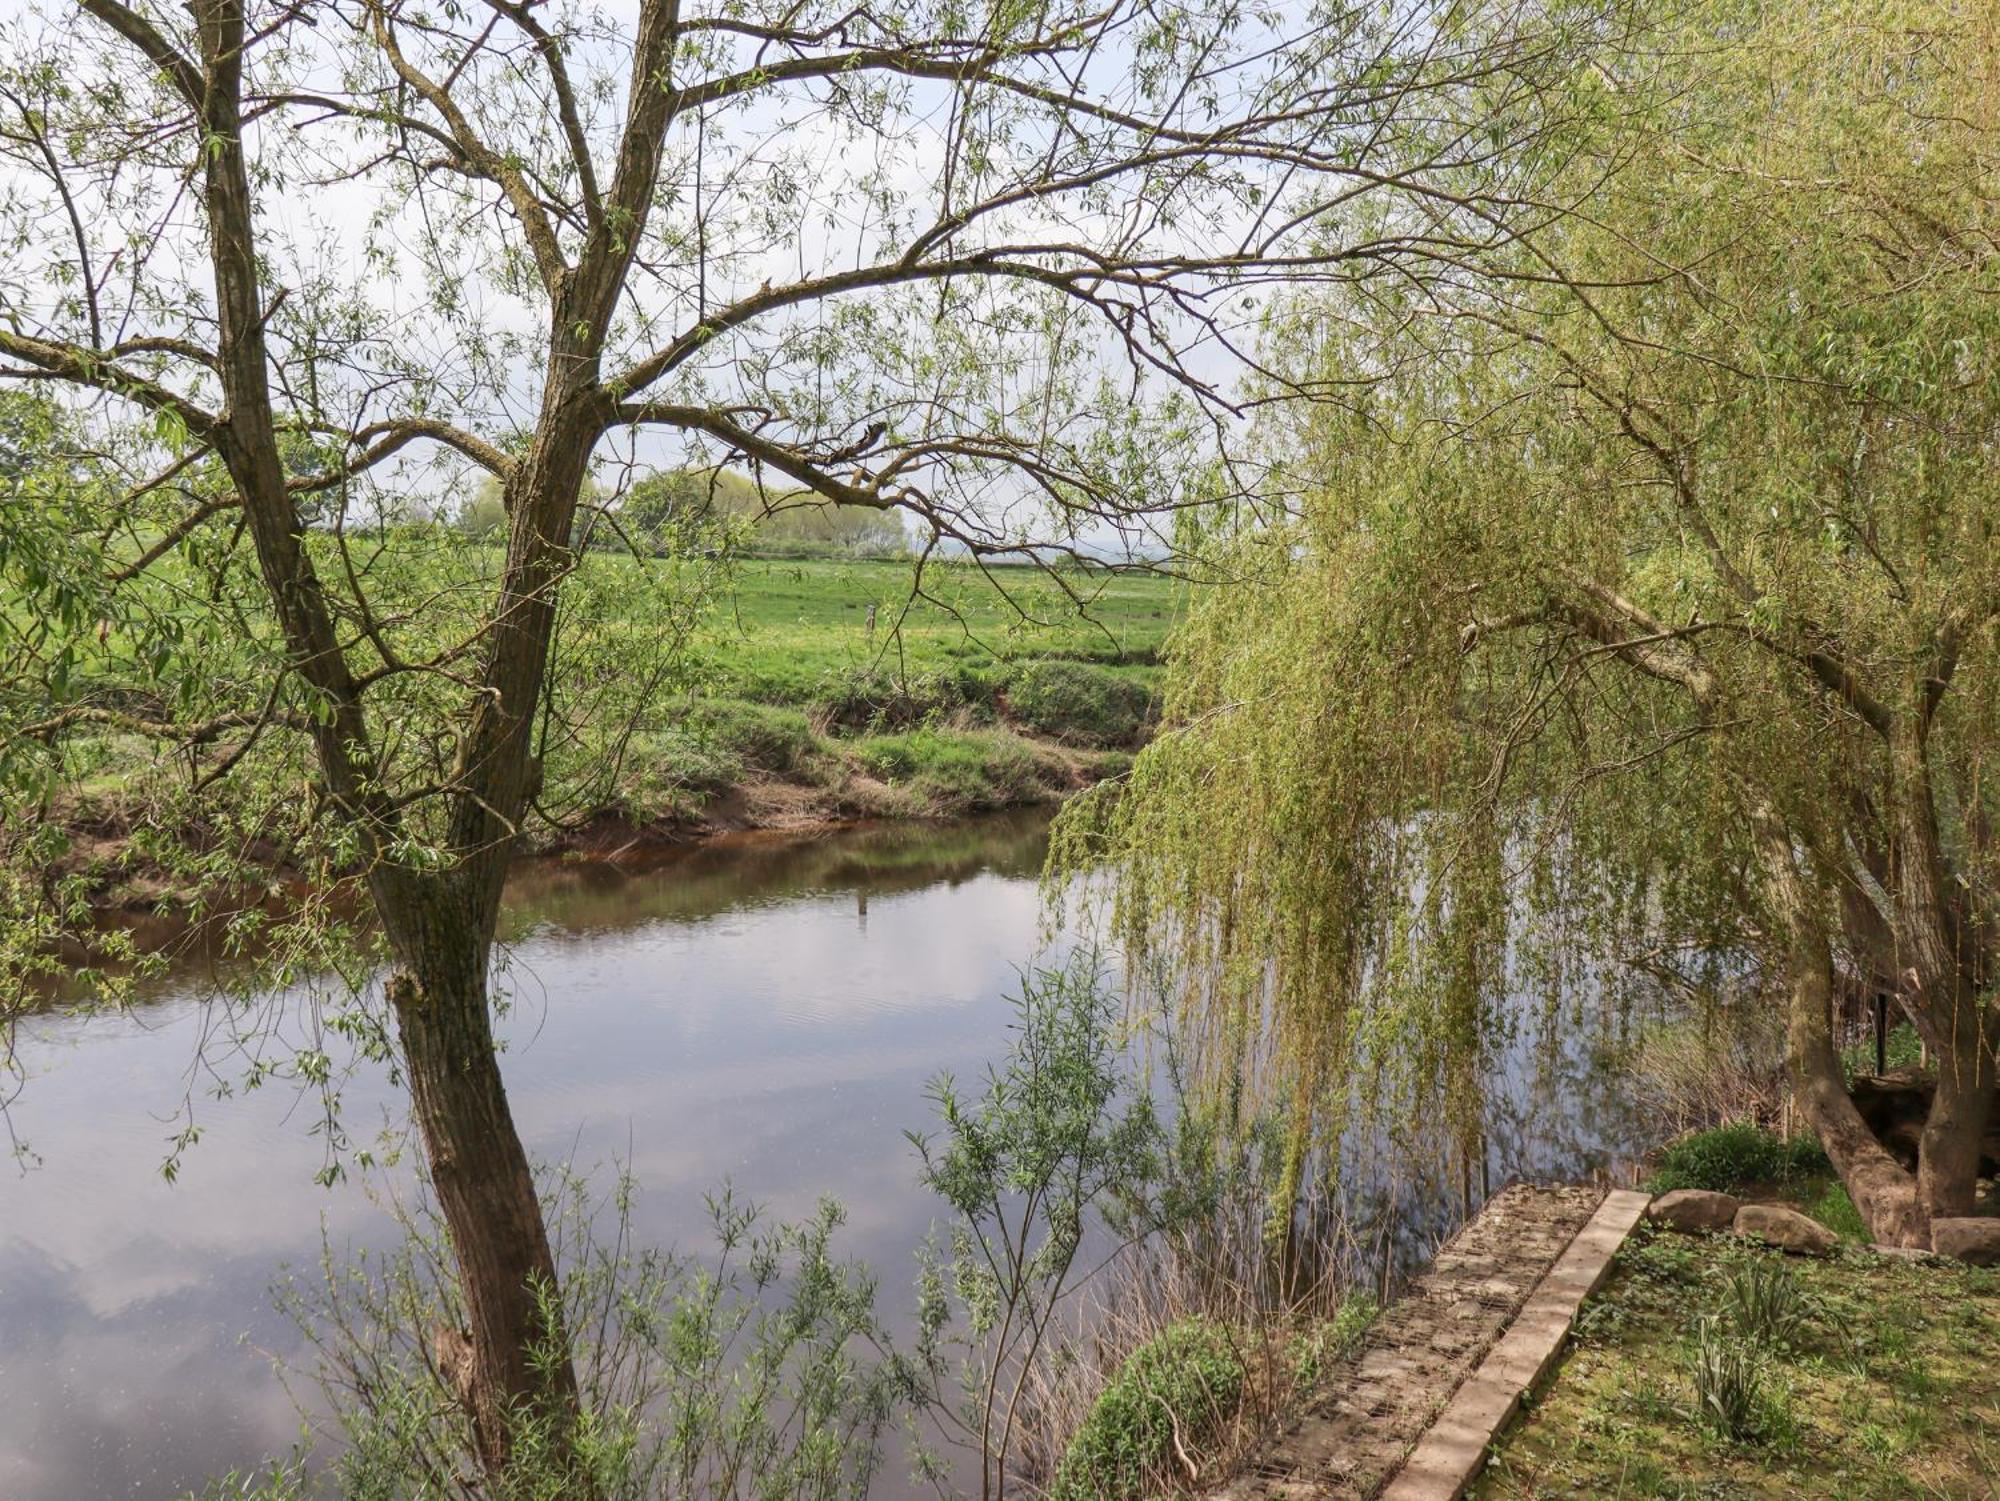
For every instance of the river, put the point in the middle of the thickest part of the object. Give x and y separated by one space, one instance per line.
761 1010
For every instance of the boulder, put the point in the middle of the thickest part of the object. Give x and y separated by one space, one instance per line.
1974 1239
1694 1209
1784 1228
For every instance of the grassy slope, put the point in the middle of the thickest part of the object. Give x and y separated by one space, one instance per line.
800 713
1893 1390
806 713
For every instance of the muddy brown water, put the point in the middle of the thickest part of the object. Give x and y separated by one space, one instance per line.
766 1011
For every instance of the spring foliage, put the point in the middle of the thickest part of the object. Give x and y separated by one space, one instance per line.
1179 1388
1603 567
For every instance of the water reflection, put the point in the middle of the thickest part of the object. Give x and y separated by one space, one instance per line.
766 1011
763 1010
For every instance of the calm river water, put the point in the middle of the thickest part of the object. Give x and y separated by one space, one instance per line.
762 1011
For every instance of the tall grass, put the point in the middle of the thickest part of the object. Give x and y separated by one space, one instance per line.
1725 1064
1728 1376
1196 1339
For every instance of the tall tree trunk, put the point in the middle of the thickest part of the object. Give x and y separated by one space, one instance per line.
1883 1192
1939 938
480 1171
1955 1130
439 924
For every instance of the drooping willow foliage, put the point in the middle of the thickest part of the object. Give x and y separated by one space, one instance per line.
1616 558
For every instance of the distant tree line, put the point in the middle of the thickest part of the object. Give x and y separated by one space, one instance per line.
669 508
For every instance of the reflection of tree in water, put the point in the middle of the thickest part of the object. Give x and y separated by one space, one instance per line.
756 870
576 895
1552 1109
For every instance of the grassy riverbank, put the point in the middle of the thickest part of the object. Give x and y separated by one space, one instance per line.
832 689
805 691
1857 1375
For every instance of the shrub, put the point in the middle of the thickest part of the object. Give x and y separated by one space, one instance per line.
707 750
761 736
672 770
956 772
873 700
1188 1380
1729 1156
1075 702
758 1369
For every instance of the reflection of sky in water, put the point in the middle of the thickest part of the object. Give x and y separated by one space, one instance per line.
758 1021
767 1013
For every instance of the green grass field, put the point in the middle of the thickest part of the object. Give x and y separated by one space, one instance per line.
1879 1382
785 629
966 689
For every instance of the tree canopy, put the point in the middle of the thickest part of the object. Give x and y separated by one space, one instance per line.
298 269
1641 612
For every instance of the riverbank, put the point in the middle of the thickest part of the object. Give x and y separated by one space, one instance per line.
800 782
772 773
818 693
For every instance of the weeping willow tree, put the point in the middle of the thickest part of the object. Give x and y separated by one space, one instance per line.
1644 605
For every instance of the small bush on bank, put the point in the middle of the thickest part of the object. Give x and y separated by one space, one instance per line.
1079 703
709 747
956 772
1188 1380
673 771
872 700
761 736
1729 1156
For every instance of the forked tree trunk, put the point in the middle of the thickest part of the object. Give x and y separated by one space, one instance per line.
1883 1192
1940 935
439 924
1897 1205
480 1171
440 927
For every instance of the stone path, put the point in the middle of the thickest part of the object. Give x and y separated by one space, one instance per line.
1453 1450
1375 1406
